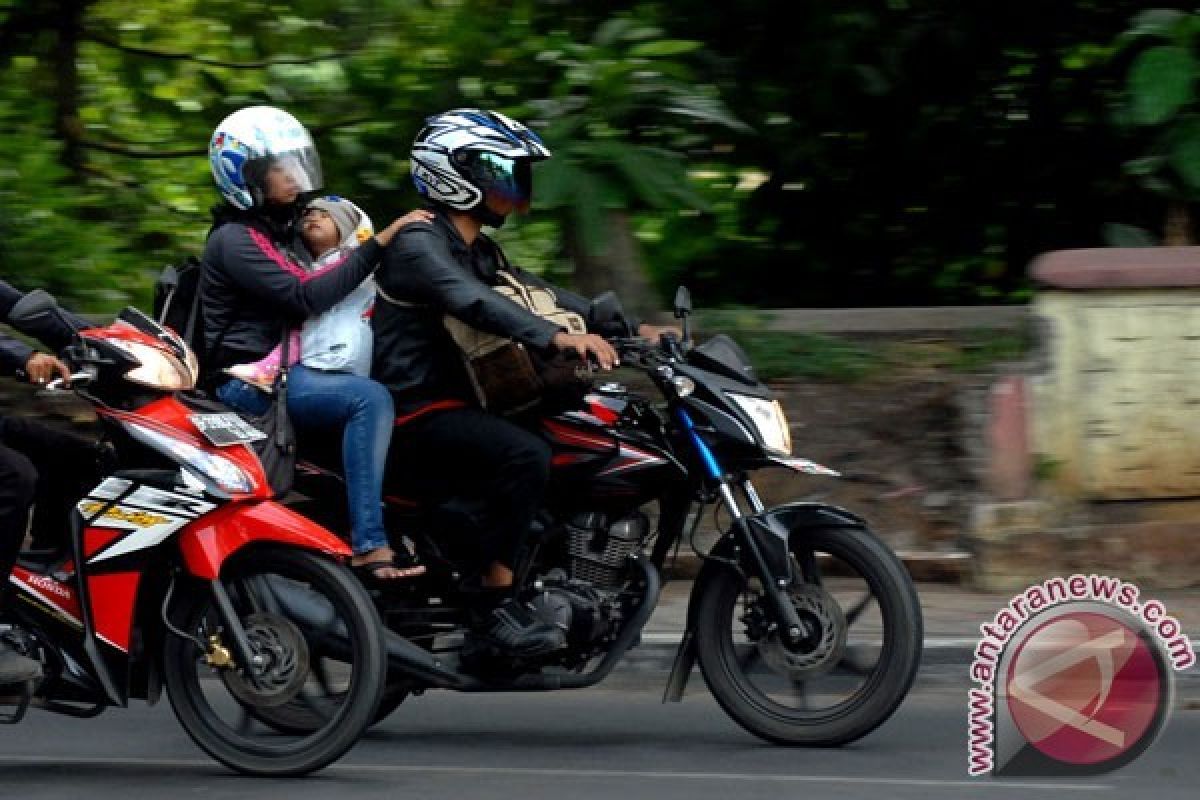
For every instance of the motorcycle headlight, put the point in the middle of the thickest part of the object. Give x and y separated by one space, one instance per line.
157 369
227 475
769 420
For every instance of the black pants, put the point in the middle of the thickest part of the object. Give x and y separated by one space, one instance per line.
484 472
44 466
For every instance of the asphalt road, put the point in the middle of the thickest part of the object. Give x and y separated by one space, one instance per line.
600 743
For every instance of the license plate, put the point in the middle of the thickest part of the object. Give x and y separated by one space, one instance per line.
226 429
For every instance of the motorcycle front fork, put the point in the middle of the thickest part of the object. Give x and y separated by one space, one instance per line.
756 536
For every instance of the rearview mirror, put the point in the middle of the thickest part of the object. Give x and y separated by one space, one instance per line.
607 308
683 310
683 302
33 306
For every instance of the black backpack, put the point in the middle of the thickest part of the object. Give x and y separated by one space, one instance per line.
177 302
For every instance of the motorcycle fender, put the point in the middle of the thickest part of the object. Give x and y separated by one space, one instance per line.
207 543
771 528
792 517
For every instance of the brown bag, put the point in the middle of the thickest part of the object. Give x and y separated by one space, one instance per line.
504 375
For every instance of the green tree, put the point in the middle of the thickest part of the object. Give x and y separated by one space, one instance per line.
1160 106
106 108
622 111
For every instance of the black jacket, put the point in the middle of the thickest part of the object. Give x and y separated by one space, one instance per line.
53 331
432 272
253 284
14 354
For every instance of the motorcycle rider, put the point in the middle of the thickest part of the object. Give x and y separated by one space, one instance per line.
37 462
474 168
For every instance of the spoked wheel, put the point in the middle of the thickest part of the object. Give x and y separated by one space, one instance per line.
853 667
316 642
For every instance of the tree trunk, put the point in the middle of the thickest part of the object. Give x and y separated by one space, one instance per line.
67 125
1178 229
618 267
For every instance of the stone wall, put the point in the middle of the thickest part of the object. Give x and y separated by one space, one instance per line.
1094 446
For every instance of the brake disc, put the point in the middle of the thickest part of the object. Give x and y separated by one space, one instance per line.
282 647
822 650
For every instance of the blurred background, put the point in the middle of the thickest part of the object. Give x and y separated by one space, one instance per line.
885 153
829 179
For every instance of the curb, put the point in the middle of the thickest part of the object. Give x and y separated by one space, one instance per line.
656 653
940 655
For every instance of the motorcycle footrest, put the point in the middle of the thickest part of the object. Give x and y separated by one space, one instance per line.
20 702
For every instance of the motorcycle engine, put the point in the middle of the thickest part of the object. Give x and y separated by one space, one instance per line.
586 602
584 613
599 549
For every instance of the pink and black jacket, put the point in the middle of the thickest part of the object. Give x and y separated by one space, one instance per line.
254 281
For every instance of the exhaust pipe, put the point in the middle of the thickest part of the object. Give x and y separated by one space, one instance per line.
409 661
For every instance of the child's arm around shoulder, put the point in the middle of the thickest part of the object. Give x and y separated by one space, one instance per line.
384 237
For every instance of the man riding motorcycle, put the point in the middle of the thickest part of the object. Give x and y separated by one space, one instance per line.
475 168
37 464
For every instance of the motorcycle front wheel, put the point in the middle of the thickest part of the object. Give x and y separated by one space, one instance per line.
856 663
316 640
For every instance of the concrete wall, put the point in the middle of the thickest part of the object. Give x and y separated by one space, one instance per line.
1108 427
1118 409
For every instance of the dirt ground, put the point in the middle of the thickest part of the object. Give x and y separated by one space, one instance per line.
898 445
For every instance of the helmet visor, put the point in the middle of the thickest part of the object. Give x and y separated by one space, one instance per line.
283 177
510 179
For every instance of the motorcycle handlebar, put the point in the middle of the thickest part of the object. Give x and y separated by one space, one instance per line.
644 352
77 378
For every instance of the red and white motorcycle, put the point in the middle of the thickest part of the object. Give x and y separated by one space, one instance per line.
182 572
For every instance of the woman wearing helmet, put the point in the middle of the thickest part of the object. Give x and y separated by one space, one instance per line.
256 283
475 168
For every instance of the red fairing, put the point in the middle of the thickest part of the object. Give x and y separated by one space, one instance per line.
123 333
605 409
48 591
208 542
567 435
96 539
113 599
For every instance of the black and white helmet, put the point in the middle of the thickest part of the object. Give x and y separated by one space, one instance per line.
461 156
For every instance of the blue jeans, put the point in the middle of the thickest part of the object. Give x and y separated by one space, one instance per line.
362 409
239 395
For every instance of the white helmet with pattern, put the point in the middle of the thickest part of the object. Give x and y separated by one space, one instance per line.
461 156
253 141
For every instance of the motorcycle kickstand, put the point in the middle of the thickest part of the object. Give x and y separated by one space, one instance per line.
22 705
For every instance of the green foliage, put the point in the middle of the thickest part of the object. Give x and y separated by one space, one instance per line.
844 359
1046 468
810 355
1160 102
1160 83
1117 235
863 153
620 110
982 348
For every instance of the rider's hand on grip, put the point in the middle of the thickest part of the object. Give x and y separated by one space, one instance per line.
589 347
40 368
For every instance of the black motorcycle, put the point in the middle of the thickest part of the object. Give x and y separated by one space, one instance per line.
806 626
